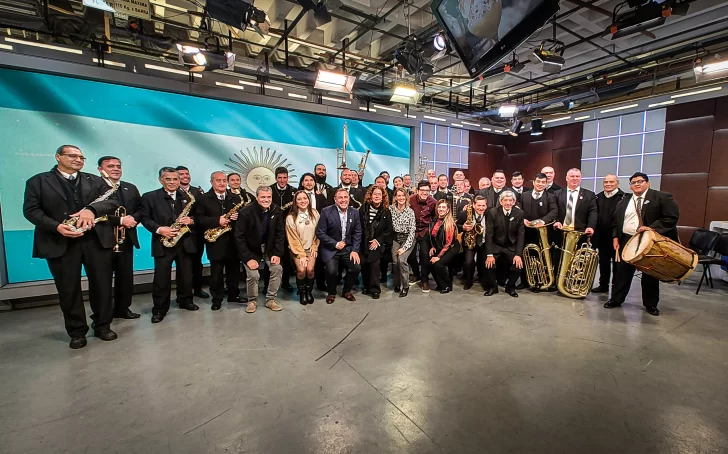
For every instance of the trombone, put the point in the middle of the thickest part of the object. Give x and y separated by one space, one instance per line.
341 152
119 230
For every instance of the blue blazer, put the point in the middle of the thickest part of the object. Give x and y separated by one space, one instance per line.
328 231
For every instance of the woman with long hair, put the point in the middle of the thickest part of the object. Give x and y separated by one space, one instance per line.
444 246
376 223
301 232
398 182
403 239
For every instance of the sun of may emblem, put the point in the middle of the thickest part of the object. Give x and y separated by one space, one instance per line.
257 167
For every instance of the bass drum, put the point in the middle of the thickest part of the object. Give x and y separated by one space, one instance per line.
660 257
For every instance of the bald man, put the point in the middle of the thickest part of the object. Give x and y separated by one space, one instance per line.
550 174
607 201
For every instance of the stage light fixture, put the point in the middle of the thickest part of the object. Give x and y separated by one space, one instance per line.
550 54
536 126
239 14
644 16
199 59
332 81
714 67
515 127
507 110
405 94
439 41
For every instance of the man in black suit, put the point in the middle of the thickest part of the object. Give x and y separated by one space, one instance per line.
212 213
322 187
259 236
646 209
475 256
339 230
128 197
550 174
443 189
607 201
283 199
517 184
356 195
161 209
185 180
492 193
236 187
539 209
384 174
460 198
504 237
53 197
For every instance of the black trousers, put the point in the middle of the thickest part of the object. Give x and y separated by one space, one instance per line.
472 259
504 261
623 281
197 263
341 259
224 272
421 270
320 273
385 261
607 265
123 266
162 284
289 268
441 268
371 272
66 271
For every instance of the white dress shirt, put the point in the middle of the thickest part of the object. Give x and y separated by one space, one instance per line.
343 217
609 195
312 198
536 195
631 221
67 175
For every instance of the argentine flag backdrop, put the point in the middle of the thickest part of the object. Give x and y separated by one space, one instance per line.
149 129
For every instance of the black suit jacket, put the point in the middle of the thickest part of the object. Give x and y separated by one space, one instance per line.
381 231
283 198
328 231
45 205
496 233
544 208
129 197
249 232
554 188
586 209
605 219
157 211
321 201
491 196
659 212
209 210
356 197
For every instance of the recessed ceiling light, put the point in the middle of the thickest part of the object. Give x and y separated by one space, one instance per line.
585 117
45 46
690 93
106 62
170 70
296 95
223 84
614 109
434 118
663 103
553 120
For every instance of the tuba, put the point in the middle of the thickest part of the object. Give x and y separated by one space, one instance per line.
537 260
182 229
119 230
577 267
114 187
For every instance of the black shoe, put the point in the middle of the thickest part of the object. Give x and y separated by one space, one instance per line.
552 289
107 335
414 280
287 287
512 292
404 292
365 291
600 289
302 295
611 304
128 315
233 299
490 292
397 289
189 306
445 290
309 295
468 286
157 318
652 310
375 296
201 294
522 286
77 342
216 305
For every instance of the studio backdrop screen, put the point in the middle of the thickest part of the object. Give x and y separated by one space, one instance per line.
150 129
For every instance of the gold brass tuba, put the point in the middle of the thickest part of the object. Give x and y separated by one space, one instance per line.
537 260
119 230
577 267
182 229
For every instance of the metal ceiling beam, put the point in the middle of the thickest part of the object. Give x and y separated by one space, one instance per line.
368 28
600 10
604 49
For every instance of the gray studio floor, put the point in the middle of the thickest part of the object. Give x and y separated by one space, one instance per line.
456 373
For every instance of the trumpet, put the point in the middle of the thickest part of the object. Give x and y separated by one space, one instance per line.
119 230
363 162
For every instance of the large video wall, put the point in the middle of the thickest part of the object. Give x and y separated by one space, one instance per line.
149 129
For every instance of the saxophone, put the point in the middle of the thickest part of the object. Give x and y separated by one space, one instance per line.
114 187
182 229
577 267
469 236
537 260
213 234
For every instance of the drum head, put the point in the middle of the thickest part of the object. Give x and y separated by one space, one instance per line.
638 245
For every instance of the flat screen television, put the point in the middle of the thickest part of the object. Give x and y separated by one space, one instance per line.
482 32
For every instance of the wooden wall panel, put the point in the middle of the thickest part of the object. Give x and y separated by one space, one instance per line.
688 145
691 193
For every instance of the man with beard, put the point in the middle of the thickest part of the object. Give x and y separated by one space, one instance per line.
355 194
283 199
322 187
184 182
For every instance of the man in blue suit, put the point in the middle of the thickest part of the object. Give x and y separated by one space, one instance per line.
339 231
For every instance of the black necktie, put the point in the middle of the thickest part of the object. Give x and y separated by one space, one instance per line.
71 178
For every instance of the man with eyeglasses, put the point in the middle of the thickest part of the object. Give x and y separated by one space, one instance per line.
53 197
647 209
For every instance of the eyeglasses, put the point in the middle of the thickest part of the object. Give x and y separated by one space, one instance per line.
636 182
75 156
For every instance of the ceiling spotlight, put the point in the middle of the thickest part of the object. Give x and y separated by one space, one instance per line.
439 41
405 94
239 14
536 126
550 53
413 56
515 127
337 82
644 16
507 110
199 58
709 68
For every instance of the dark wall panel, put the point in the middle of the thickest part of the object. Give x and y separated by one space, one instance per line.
705 108
719 159
688 144
717 207
691 192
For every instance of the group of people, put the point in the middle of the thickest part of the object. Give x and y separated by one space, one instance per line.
320 233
